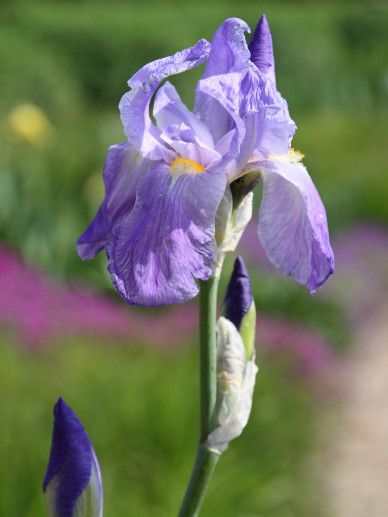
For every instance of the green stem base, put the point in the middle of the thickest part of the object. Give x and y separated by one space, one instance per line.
205 463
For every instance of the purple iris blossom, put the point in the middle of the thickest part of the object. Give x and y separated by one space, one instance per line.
164 184
72 483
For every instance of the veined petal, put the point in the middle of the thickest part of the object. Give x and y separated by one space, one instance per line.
292 224
215 93
219 109
238 92
167 241
269 128
229 50
122 170
134 105
73 468
251 106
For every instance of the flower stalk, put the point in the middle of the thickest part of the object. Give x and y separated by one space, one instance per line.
208 353
206 458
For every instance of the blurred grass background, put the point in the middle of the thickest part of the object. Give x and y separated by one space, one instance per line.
63 68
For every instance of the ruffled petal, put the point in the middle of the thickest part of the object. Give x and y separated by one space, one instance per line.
220 110
167 241
236 94
292 224
229 55
269 127
134 105
122 170
229 50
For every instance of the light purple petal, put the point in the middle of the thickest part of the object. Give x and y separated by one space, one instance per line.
234 95
229 54
261 49
134 105
229 51
122 170
167 242
269 128
220 110
169 110
292 224
185 142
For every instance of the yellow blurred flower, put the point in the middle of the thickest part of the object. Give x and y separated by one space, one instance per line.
29 123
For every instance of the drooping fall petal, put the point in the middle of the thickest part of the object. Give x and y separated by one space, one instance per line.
292 224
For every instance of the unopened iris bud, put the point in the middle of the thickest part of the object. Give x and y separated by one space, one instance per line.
236 368
239 305
236 376
72 484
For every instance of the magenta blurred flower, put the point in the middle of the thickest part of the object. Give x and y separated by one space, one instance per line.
41 310
306 349
361 288
59 311
164 185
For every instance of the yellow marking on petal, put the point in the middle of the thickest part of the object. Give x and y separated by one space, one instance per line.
186 166
293 156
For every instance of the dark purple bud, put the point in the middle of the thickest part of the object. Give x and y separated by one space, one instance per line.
261 47
72 465
238 298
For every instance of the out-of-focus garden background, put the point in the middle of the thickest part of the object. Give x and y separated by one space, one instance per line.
314 444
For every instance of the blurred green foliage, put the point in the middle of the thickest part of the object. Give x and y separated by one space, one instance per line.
143 425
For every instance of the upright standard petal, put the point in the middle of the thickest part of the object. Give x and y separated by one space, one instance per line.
167 241
292 224
72 469
261 49
134 105
229 51
235 94
122 170
216 92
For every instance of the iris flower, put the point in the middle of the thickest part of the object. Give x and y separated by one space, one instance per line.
163 185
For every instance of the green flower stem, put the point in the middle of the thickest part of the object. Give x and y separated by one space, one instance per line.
206 459
208 354
205 463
